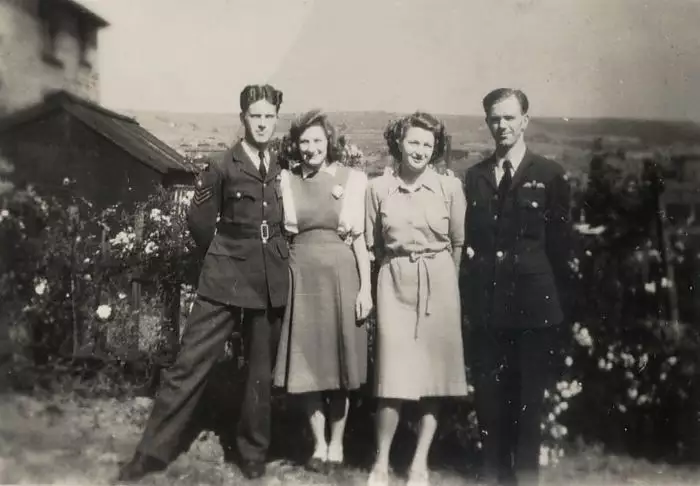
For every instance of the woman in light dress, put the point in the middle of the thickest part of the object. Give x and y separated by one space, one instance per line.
415 227
323 347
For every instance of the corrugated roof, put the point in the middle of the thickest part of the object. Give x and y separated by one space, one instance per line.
119 129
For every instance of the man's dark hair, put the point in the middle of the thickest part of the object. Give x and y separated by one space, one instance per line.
257 92
500 94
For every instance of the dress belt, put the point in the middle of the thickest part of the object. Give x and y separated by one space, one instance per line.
424 287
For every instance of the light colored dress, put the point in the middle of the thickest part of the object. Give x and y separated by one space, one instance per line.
419 337
322 347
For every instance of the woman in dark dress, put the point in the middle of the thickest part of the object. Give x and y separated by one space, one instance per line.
323 348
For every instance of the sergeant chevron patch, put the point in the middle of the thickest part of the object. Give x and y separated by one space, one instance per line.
202 194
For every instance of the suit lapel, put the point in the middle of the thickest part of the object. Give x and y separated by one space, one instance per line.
522 169
485 171
274 169
240 156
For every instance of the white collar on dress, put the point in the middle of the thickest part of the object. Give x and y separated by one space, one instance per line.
331 169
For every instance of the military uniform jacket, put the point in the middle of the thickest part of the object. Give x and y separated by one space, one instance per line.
239 268
516 250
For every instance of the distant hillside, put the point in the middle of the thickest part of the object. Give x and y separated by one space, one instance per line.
569 140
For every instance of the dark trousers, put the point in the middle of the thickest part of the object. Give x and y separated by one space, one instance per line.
203 343
511 369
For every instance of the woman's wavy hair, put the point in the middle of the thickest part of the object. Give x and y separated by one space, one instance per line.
396 131
290 153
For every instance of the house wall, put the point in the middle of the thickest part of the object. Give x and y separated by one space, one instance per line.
46 151
25 75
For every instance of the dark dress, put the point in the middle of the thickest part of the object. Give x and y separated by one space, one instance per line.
321 345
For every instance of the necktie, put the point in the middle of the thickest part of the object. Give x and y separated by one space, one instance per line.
507 178
262 168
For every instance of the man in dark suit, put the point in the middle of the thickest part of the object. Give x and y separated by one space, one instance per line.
236 221
514 262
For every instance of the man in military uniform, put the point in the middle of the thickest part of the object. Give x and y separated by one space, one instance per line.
236 221
514 266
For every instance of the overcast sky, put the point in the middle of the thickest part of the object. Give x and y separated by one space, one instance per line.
618 58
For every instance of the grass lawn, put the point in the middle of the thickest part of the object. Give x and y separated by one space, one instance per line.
66 439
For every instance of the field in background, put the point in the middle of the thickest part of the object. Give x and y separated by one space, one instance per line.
568 140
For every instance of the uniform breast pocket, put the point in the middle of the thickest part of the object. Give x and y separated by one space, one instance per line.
238 201
531 208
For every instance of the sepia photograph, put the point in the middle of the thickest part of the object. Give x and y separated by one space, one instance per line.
350 242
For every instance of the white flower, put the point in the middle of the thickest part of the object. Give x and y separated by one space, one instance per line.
666 283
155 214
650 287
40 286
151 247
4 214
672 360
66 181
632 393
663 376
544 456
121 295
470 252
601 363
104 311
564 406
569 361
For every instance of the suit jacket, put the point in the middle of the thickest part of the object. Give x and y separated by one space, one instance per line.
240 269
516 250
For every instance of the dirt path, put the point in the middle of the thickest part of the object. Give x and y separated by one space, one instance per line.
70 440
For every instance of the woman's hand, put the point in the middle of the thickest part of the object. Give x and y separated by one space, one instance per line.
363 304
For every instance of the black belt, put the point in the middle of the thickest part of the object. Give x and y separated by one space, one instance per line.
263 232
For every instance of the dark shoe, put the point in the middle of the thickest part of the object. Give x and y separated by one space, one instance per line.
252 469
139 466
317 465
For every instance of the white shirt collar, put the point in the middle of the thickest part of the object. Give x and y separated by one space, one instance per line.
328 168
516 154
253 154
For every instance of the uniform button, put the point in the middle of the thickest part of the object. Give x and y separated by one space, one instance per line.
499 254
264 184
495 217
265 204
238 195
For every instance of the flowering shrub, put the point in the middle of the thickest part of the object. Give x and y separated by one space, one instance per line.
66 269
638 368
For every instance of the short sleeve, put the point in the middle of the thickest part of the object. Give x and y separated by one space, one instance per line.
458 209
290 213
352 217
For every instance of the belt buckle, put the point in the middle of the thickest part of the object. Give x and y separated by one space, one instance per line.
264 232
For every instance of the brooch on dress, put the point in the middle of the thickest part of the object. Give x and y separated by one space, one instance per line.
337 191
